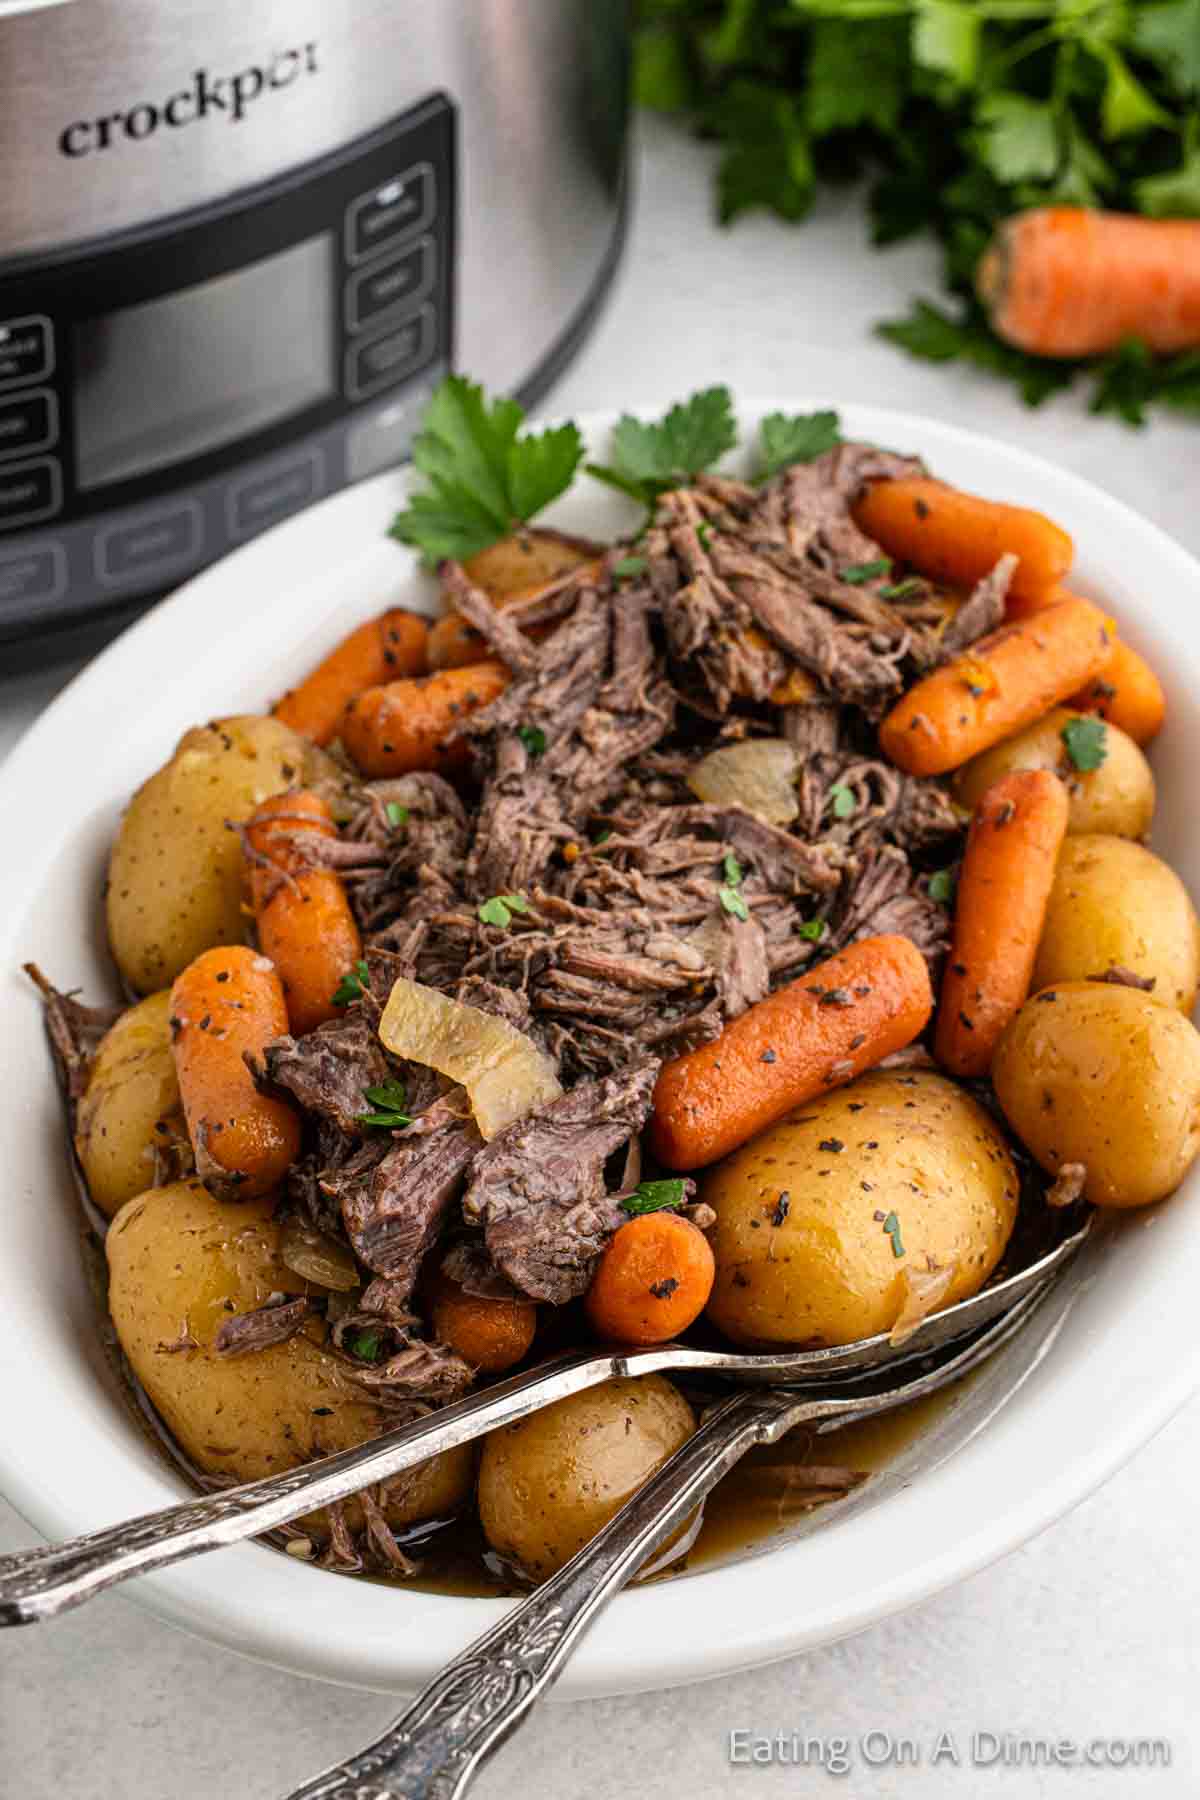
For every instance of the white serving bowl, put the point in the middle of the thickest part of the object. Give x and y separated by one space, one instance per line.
1103 1366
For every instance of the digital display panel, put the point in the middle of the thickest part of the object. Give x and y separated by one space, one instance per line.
167 380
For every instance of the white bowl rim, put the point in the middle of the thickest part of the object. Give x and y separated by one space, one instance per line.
735 1616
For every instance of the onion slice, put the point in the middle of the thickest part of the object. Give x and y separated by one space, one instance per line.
503 1071
759 774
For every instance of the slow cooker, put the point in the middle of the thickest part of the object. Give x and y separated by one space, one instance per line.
242 240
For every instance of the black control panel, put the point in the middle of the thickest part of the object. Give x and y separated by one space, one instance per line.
170 393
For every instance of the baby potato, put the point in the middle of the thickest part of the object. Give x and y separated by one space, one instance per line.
1118 797
550 1482
180 1262
804 1253
1114 904
130 1108
1108 1077
527 559
175 874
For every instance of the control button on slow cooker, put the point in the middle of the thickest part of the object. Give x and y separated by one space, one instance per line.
387 286
402 204
26 350
152 541
28 422
376 365
38 573
29 492
272 494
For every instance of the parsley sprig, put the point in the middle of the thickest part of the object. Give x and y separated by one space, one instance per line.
1086 741
353 985
656 1196
482 479
648 459
500 908
730 891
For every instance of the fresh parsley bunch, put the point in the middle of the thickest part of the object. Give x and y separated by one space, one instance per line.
957 113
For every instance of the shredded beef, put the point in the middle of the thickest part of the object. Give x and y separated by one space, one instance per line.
981 612
277 1320
538 1188
75 1030
394 1211
329 1070
1067 1185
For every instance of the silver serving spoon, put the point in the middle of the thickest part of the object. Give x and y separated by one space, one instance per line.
439 1742
41 1583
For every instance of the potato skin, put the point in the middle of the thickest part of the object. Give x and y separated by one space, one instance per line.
130 1108
1114 904
1108 1077
550 1482
1118 797
175 874
179 1261
821 1269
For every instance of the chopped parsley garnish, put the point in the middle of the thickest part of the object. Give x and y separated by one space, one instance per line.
902 590
942 886
389 1098
353 985
704 532
798 438
1087 742
647 460
366 1345
481 479
397 815
842 800
533 738
892 1226
812 929
728 893
656 1196
500 908
859 573
629 566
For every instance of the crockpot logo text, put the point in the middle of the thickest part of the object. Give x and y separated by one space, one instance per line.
227 97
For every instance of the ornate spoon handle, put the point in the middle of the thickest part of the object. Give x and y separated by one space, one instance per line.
39 1584
433 1749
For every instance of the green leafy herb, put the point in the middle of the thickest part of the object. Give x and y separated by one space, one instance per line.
1087 742
366 1345
857 574
812 929
798 438
353 985
942 886
656 1196
389 1100
952 115
733 869
500 908
481 478
630 566
842 800
729 893
397 815
892 1226
649 459
533 738
902 590
704 533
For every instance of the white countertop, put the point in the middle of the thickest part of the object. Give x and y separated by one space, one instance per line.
1092 1631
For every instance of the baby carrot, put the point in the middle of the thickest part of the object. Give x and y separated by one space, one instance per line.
817 1033
1003 682
490 1332
225 1004
1068 281
411 725
304 920
958 538
653 1280
1013 843
1127 692
383 648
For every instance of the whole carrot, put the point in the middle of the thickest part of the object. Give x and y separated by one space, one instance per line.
652 1282
386 647
304 920
225 1004
957 538
411 725
1127 693
1066 281
815 1034
487 1331
1003 682
1013 843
